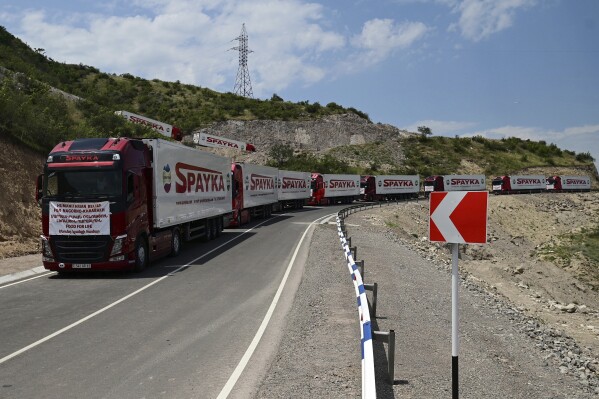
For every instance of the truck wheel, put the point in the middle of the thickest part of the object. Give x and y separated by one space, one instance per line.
141 254
175 243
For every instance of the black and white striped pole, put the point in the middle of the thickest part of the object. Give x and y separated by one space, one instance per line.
455 317
457 217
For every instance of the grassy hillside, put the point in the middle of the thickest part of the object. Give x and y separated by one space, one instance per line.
442 155
34 112
36 115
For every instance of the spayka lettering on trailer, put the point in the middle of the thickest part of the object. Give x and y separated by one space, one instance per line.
193 178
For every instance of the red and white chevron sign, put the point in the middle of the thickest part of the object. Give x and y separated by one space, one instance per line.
458 217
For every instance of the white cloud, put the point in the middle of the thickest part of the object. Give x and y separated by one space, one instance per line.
481 18
379 37
189 40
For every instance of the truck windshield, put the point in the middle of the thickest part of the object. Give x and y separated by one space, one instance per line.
83 183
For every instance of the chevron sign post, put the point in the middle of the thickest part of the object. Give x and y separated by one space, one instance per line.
457 217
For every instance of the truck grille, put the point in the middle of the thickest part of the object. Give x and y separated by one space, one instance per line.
81 249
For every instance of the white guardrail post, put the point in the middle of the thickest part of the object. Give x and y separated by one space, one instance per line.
368 379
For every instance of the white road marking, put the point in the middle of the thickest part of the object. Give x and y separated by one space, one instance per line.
96 313
224 393
28 279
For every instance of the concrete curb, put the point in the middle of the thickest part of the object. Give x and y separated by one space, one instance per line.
19 275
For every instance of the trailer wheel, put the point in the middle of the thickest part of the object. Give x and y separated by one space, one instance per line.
208 229
214 228
219 226
175 243
141 254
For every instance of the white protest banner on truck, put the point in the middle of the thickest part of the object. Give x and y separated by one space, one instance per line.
79 218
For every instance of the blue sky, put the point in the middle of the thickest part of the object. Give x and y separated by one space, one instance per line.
497 68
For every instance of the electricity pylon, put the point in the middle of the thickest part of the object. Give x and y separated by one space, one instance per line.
243 85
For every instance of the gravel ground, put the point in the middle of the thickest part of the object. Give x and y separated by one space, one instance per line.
503 353
319 355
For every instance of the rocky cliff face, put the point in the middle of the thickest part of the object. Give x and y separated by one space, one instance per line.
309 135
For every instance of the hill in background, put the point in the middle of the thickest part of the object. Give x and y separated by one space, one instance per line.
43 102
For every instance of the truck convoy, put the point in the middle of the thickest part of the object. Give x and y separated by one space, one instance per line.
538 183
454 183
331 189
119 203
389 187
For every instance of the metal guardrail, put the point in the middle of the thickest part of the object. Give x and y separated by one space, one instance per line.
368 335
368 379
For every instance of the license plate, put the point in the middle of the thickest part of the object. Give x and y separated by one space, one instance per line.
82 265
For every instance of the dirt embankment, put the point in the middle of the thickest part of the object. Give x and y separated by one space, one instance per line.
523 230
19 213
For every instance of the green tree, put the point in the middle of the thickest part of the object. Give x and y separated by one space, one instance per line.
280 154
425 131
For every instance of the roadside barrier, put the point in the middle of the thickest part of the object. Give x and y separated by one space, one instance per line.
367 334
368 380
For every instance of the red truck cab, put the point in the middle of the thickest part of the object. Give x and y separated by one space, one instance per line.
239 216
501 184
368 188
317 190
554 183
433 183
94 195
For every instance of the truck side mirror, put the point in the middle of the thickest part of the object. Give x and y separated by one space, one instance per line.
39 188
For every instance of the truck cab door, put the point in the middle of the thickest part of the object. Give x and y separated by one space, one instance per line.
137 208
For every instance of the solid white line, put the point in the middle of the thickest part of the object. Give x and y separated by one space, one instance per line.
145 287
327 219
224 393
28 279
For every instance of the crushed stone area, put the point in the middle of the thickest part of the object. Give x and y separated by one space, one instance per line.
563 296
504 351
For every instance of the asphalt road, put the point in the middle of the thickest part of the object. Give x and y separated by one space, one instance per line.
171 331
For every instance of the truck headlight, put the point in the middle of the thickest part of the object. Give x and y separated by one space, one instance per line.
117 247
47 254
